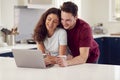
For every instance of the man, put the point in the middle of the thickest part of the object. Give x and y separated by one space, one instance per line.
80 40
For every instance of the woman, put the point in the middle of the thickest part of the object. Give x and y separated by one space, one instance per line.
49 35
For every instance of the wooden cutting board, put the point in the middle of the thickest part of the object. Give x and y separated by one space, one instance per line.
117 34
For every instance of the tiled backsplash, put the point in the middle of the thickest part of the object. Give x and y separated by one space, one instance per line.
25 20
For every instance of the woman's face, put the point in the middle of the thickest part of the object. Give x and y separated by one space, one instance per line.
52 22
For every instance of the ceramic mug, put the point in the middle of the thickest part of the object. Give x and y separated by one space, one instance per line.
63 57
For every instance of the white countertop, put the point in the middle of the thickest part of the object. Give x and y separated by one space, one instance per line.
9 71
17 46
105 35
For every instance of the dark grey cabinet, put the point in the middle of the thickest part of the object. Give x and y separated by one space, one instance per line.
109 50
114 50
104 50
8 54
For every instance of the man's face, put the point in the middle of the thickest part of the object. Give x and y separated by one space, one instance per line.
68 20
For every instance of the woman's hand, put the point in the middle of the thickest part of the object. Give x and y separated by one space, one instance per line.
61 62
50 60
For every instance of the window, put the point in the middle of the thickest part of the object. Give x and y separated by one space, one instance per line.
117 9
114 10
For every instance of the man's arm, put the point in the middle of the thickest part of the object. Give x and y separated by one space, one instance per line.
82 58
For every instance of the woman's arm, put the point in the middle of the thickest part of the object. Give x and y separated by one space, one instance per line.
63 42
62 49
41 47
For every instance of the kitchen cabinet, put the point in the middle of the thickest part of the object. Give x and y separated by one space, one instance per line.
106 51
109 50
100 43
45 2
34 2
40 4
8 54
104 55
114 50
21 2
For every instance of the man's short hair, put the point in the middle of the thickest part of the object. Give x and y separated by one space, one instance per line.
70 7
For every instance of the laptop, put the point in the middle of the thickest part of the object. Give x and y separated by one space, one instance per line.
29 58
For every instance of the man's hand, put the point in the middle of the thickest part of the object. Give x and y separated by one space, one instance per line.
61 62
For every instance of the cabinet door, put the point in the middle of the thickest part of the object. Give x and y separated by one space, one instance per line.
9 54
21 2
100 43
115 51
46 2
104 50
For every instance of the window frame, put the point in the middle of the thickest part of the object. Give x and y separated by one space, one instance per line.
112 12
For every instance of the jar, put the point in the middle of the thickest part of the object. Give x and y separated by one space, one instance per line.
10 39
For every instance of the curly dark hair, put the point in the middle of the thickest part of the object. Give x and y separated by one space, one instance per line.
70 7
40 31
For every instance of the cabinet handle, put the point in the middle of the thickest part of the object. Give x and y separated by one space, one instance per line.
116 39
102 39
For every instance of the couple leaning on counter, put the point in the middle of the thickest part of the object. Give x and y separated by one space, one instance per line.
74 40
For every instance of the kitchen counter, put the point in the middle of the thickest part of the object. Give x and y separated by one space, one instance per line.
17 46
104 35
9 71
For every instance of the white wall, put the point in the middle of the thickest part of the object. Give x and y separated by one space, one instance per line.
7 13
86 10
96 11
0 12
